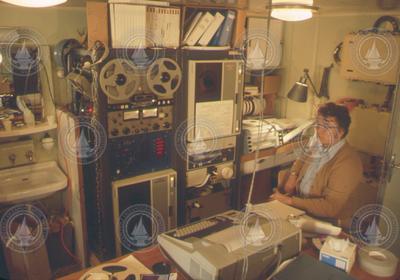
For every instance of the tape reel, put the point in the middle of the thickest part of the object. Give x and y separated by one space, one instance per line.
253 106
118 79
164 77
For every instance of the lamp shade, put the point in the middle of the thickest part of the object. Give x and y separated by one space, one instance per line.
292 10
299 91
35 3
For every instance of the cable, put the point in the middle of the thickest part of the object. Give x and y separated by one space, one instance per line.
62 225
259 136
261 116
245 268
278 263
205 181
392 20
48 82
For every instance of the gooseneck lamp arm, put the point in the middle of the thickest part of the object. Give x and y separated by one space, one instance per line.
312 84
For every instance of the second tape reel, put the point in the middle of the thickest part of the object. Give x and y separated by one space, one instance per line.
120 79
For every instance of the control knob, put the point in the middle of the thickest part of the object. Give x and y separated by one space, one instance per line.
156 126
114 132
227 173
126 131
196 204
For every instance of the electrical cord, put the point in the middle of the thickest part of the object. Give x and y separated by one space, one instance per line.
48 82
205 181
392 20
278 263
259 135
261 117
62 225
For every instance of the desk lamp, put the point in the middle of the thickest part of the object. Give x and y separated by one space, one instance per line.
299 90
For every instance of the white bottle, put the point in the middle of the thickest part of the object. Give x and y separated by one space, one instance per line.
29 118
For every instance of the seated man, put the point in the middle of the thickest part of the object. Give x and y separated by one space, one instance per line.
325 182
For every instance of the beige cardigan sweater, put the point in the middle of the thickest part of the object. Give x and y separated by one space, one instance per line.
336 191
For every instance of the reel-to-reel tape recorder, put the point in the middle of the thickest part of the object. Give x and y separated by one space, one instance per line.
135 104
120 79
139 99
140 87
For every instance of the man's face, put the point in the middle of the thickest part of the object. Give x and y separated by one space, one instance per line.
328 130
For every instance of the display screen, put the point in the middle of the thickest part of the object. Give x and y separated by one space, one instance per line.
150 113
131 115
208 81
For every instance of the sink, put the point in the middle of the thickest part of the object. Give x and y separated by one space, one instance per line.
31 182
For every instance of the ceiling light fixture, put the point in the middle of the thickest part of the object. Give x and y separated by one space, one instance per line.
35 3
292 10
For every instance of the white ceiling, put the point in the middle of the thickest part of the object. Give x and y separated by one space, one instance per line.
337 6
325 6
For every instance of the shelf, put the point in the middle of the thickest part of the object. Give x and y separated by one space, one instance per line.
41 127
207 48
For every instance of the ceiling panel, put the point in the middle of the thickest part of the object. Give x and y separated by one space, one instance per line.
337 6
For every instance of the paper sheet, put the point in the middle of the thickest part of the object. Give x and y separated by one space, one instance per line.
230 238
217 115
278 209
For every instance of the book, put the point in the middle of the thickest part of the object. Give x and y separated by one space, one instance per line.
163 26
200 28
227 29
212 29
140 2
192 25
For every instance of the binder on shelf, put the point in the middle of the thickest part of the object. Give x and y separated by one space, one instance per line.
192 26
227 29
200 28
212 29
215 39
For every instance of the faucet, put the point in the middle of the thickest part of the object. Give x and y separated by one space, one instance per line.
29 155
12 158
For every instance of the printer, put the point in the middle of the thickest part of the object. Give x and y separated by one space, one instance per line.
231 245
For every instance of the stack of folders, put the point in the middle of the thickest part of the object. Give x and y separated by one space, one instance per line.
210 29
139 26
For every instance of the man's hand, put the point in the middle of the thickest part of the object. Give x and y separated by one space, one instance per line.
281 197
290 185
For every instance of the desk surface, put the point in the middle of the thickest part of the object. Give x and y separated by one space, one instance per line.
150 257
